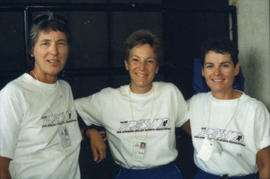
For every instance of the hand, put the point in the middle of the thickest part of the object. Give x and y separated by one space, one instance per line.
103 135
97 144
4 165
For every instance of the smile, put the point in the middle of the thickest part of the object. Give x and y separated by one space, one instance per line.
141 75
53 61
220 80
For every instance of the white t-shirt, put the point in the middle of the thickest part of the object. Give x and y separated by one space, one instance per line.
240 136
130 118
31 116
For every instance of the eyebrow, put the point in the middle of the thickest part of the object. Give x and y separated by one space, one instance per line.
151 57
48 40
230 62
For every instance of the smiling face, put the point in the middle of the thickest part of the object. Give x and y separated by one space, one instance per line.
142 66
50 53
219 72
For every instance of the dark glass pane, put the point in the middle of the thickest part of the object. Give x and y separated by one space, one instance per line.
12 51
123 24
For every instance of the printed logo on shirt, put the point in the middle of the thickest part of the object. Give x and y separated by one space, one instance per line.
222 135
144 125
50 120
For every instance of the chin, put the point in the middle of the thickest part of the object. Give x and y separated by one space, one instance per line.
54 73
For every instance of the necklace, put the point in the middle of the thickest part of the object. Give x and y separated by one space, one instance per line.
132 115
229 121
49 107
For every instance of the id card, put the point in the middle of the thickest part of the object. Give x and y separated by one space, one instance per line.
139 149
206 149
64 137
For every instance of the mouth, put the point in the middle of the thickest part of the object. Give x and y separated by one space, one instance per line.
217 80
141 75
53 62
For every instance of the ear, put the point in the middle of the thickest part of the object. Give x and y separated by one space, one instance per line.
126 65
237 69
31 52
157 69
202 72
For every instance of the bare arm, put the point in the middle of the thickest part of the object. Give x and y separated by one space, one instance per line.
4 164
263 163
186 127
97 144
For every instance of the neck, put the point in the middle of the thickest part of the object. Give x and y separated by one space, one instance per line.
51 79
232 94
139 90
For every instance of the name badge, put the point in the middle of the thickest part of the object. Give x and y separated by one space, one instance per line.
139 150
64 137
206 149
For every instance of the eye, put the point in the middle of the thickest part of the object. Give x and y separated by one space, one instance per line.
150 61
208 66
226 65
134 59
62 43
44 43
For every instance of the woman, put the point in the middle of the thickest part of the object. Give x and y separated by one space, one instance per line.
143 113
230 130
39 132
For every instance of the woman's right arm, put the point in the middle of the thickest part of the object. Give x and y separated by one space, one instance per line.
4 165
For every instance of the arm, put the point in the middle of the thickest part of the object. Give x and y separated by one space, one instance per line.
97 144
186 127
4 164
263 163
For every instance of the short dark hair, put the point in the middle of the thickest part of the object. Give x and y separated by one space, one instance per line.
220 46
141 37
42 22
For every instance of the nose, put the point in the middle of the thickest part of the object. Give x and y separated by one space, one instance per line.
54 49
217 71
141 65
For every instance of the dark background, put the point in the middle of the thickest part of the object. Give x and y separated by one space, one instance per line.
99 29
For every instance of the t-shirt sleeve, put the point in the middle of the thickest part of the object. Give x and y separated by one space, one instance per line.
262 127
182 112
90 109
11 114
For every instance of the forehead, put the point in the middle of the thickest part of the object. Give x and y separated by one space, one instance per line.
51 35
215 57
143 50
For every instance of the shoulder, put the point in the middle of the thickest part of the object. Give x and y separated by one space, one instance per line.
165 86
13 87
169 91
199 96
251 103
13 93
64 84
109 91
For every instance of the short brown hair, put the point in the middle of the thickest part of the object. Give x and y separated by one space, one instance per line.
141 37
42 22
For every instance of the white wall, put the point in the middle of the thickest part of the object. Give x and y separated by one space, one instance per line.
254 46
